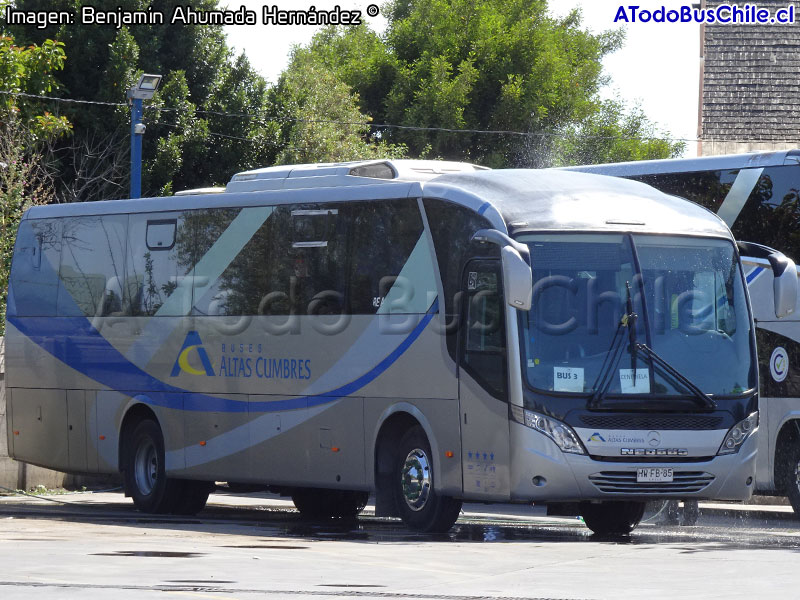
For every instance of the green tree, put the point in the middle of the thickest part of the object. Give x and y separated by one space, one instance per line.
613 134
320 119
187 144
505 65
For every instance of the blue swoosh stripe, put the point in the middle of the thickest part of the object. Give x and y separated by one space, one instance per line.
753 274
80 346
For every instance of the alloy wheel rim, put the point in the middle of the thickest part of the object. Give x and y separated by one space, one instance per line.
416 479
145 467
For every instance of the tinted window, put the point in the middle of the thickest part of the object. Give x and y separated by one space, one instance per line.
285 260
92 266
707 188
34 278
244 254
383 236
772 212
317 252
157 281
485 334
452 227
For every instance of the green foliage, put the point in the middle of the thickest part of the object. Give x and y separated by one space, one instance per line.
185 145
613 135
483 65
30 70
321 119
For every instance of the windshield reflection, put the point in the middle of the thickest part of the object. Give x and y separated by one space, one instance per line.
688 295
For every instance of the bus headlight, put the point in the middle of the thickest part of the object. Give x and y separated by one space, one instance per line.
738 434
561 433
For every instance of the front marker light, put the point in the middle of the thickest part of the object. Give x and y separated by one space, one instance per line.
561 433
738 434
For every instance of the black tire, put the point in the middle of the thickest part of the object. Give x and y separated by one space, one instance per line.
144 475
419 505
691 512
193 497
329 504
612 518
673 512
793 477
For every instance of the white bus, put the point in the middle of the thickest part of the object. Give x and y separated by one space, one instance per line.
429 332
758 197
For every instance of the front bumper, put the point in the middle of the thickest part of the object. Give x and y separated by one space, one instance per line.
541 472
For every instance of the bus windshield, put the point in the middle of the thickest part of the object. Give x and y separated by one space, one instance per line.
689 302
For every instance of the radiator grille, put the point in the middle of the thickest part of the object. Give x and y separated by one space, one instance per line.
624 482
662 422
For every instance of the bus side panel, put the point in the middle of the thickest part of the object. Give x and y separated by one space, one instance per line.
304 446
40 417
486 453
108 408
76 430
779 402
217 445
6 421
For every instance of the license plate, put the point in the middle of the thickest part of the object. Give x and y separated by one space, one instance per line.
654 475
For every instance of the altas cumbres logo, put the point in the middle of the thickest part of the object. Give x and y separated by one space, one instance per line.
192 345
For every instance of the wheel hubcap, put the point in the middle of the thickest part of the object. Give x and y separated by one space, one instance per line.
416 479
146 467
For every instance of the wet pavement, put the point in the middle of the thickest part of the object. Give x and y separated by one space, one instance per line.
96 546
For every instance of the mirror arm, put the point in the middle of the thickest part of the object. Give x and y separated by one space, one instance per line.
494 236
779 262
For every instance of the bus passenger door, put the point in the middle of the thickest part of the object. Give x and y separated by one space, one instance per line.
483 383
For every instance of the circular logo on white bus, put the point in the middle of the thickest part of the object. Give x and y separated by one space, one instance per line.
779 364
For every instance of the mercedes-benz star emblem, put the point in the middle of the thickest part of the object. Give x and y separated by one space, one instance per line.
654 438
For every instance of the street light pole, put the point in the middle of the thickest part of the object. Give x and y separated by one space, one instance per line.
142 91
137 131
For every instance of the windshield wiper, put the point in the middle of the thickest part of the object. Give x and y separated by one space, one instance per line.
604 379
699 395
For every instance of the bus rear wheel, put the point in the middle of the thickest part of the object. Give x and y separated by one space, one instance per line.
612 518
419 505
145 477
329 504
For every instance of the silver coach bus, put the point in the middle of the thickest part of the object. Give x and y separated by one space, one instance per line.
758 197
430 332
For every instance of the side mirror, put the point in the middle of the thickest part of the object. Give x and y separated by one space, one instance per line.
517 279
784 284
517 276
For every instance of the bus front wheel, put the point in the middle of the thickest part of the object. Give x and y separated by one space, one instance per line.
612 518
419 505
145 477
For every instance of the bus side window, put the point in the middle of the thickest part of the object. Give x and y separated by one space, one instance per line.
483 330
383 237
317 255
157 281
772 210
92 266
34 274
161 234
